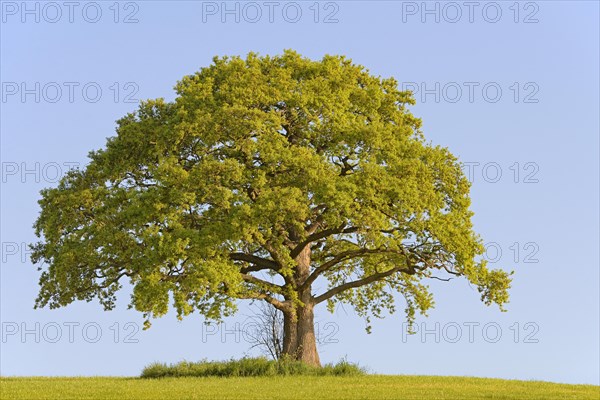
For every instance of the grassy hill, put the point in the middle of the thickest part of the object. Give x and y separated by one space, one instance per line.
291 387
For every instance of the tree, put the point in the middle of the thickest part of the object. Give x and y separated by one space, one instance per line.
281 179
265 330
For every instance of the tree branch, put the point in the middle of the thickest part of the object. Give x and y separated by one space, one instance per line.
345 255
259 263
320 235
253 295
257 281
312 228
280 305
360 282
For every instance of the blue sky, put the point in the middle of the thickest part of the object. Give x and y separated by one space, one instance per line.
511 88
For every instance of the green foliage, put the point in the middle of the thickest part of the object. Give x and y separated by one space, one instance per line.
254 160
249 367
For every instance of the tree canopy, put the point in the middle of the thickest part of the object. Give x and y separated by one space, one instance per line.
266 178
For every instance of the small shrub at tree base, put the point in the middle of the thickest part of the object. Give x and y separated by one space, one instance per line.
249 367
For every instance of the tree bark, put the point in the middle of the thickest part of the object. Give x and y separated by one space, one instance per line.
299 339
290 339
306 340
300 342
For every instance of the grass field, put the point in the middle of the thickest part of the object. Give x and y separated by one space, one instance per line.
291 387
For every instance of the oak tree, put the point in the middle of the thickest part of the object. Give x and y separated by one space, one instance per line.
273 178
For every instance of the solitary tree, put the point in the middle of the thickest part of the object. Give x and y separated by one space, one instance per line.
281 179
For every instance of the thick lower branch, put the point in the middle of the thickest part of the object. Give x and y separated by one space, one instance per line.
338 258
258 262
354 284
280 305
261 282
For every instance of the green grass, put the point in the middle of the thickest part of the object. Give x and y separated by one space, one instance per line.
246 367
290 387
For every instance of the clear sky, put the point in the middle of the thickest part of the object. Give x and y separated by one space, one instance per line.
511 88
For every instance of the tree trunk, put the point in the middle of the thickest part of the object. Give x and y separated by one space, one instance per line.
290 339
300 342
306 339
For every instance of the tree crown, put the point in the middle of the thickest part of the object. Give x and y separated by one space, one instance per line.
258 165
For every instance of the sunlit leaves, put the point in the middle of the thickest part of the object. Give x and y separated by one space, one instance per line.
253 156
